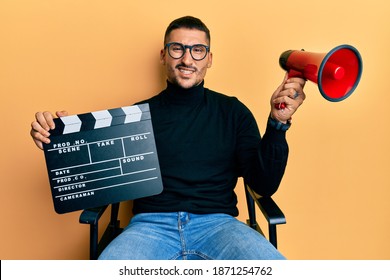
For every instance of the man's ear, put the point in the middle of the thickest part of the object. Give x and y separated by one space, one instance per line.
210 60
162 56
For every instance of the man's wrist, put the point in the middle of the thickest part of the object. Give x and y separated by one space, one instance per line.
278 125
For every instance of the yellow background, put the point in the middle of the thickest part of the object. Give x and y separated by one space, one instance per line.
86 56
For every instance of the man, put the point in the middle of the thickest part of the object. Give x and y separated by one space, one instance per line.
205 141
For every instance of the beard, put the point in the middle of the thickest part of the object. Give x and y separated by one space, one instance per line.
185 76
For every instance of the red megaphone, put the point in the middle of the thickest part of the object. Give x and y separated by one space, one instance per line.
337 73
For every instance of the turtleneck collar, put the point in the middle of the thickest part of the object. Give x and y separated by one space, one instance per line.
179 95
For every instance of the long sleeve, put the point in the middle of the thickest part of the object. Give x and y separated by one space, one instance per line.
262 160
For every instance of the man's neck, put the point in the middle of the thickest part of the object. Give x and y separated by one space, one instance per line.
180 95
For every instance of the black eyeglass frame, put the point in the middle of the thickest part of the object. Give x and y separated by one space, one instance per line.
184 47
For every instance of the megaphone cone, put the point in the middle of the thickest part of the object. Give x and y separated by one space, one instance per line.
337 72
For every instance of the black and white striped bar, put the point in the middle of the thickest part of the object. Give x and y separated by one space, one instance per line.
101 119
102 157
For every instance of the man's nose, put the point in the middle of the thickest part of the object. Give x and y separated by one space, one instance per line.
187 55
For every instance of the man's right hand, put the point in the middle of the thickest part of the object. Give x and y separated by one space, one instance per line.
42 125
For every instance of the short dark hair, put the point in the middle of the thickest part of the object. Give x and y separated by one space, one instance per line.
187 22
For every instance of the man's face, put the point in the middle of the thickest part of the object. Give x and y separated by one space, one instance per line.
186 72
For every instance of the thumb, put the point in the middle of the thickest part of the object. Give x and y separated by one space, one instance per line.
62 113
285 78
280 87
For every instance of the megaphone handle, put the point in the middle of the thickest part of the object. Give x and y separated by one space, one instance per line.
291 73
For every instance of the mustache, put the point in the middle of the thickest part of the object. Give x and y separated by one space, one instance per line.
186 66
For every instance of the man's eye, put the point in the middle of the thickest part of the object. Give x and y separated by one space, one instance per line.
198 49
177 48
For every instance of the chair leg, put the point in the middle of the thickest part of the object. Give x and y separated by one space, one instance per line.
251 210
93 246
114 223
272 235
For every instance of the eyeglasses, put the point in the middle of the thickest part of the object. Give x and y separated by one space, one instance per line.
177 50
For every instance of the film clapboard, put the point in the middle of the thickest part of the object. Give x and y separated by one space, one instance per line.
102 157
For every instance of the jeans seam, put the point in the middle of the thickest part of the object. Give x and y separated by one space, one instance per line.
197 253
181 234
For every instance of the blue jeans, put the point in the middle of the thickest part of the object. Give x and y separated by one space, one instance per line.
186 236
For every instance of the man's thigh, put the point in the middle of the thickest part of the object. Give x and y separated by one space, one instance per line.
143 240
232 239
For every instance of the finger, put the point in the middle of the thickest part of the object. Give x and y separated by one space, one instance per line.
297 80
49 119
294 91
285 78
62 113
277 92
298 94
45 120
38 137
291 85
301 97
290 92
297 83
280 87
290 103
36 127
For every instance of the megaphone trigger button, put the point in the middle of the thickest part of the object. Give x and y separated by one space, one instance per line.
280 106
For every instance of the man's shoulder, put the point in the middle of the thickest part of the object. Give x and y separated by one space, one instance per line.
150 100
224 99
219 95
221 98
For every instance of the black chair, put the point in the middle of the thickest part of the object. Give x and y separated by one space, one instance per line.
267 205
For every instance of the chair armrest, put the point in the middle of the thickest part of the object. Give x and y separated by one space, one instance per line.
270 210
92 216
268 207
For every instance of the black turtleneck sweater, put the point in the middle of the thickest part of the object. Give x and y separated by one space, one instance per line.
205 141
